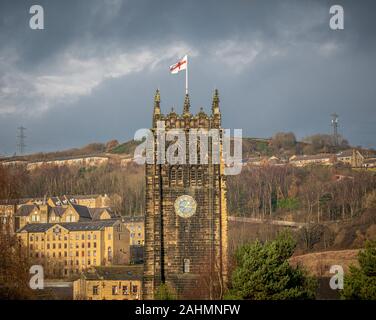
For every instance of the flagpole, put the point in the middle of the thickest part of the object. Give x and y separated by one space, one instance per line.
186 78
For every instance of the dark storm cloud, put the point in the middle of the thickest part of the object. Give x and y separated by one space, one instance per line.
91 74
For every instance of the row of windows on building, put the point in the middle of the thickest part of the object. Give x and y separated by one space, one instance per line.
62 245
76 262
60 254
115 290
8 211
69 218
138 235
60 238
67 270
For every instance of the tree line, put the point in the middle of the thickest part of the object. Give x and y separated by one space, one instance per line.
48 181
309 194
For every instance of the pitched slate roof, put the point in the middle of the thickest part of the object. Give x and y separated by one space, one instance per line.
96 212
71 226
36 227
25 210
345 153
56 201
82 211
115 273
58 211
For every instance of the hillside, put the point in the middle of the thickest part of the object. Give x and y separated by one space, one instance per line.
318 263
257 146
90 149
281 144
125 148
312 238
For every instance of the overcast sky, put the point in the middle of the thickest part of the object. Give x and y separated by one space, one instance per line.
91 74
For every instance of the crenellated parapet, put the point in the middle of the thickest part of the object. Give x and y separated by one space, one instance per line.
187 120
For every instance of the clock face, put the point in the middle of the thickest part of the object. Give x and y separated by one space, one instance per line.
185 206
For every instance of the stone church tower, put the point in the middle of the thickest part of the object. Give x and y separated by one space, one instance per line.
186 215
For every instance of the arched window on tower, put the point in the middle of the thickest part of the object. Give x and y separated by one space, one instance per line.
179 177
199 176
186 265
193 176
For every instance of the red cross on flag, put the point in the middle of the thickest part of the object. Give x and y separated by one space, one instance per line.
180 65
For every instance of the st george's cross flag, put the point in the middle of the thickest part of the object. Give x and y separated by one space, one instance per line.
180 65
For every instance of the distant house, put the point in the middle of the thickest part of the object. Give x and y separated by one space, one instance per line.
317 159
275 161
13 163
91 201
66 237
255 161
135 225
352 157
34 213
369 163
94 200
109 283
65 248
124 162
7 210
263 161
102 213
81 161
59 209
